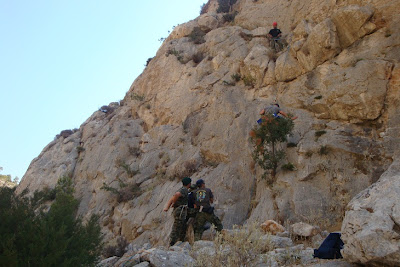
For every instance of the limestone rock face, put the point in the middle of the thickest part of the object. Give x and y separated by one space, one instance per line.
256 63
352 23
160 258
321 45
350 93
371 227
287 68
57 159
186 115
208 22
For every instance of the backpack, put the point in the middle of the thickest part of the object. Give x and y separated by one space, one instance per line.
330 248
202 198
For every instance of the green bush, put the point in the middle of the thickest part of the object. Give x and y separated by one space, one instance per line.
236 77
176 53
288 167
266 138
54 238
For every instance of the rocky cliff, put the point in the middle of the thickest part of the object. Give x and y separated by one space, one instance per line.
186 115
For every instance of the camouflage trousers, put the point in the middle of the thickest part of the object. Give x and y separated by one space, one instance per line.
201 219
179 227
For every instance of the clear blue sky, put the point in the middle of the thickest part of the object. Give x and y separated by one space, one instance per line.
62 60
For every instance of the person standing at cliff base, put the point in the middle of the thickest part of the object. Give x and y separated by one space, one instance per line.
205 212
179 201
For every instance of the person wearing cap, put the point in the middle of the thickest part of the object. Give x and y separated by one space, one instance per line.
275 111
203 198
179 201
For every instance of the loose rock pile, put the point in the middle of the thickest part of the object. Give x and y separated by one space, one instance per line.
246 246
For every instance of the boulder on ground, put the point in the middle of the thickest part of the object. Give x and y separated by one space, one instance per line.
304 229
371 227
272 227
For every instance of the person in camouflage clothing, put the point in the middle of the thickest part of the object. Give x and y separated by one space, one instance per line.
205 212
179 201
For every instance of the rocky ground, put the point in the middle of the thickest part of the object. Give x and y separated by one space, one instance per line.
238 247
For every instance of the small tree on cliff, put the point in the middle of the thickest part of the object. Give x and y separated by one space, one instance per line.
266 138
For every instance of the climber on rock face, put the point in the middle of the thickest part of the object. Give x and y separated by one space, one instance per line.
274 32
274 36
269 114
275 111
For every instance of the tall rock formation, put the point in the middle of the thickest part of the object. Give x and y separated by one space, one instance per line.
371 229
184 115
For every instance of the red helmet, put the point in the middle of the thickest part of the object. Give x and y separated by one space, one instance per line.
275 23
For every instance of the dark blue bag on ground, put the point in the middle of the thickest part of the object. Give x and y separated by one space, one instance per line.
330 248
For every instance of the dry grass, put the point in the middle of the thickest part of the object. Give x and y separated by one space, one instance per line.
249 80
237 247
197 36
190 166
118 249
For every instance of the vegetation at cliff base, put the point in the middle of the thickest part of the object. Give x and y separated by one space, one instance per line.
33 236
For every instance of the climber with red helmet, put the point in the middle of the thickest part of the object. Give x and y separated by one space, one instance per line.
275 32
274 36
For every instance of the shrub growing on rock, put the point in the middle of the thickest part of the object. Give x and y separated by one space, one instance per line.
197 36
224 6
229 17
117 250
266 138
